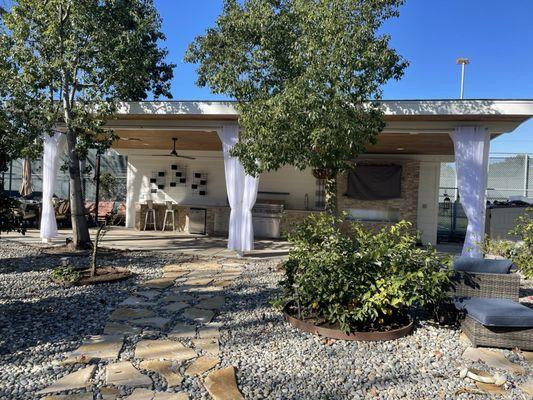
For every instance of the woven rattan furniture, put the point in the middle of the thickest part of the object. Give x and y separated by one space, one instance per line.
492 336
492 286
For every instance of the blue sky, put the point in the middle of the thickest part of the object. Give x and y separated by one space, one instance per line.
496 35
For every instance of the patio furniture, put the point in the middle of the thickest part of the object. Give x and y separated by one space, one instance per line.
150 212
487 292
496 282
169 211
497 323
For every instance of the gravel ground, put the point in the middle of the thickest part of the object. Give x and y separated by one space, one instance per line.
40 322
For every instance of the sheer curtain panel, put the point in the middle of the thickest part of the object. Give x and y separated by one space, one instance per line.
48 217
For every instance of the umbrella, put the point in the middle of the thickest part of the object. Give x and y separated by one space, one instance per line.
26 187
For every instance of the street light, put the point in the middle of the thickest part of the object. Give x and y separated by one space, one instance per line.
463 62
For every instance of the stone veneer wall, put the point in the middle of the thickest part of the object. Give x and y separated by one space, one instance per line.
407 204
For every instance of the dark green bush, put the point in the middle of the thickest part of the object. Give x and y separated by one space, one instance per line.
359 279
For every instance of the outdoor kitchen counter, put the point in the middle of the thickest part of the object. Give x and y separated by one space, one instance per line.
217 217
181 212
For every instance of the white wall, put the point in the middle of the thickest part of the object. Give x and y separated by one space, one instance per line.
428 207
142 163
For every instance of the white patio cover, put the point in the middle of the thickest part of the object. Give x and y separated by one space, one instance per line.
48 217
242 193
471 144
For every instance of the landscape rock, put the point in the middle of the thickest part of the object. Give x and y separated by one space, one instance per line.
222 385
125 374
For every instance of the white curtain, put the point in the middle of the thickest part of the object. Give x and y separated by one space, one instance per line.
48 218
242 193
471 144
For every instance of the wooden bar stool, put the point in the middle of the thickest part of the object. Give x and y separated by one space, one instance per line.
169 211
150 211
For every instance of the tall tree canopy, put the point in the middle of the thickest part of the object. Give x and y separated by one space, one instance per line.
65 64
306 75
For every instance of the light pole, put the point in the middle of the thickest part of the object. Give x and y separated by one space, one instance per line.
463 62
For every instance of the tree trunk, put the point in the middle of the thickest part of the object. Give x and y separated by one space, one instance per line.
80 228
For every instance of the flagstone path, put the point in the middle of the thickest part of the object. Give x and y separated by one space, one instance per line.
158 337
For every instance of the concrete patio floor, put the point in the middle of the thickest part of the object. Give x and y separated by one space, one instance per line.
120 238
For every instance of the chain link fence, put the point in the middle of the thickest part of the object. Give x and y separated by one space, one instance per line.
509 175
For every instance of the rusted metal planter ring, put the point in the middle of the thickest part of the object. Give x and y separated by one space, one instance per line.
337 334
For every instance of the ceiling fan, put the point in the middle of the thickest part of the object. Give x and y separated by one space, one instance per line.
174 153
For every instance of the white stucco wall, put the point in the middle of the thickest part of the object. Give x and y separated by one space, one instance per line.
428 208
141 165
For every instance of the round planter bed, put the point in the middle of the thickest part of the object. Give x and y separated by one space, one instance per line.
103 275
334 333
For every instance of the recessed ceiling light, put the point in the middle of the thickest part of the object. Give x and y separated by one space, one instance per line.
400 149
414 133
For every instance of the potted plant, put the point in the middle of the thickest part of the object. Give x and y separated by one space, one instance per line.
352 283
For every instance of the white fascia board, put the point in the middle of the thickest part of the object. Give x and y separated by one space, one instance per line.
486 107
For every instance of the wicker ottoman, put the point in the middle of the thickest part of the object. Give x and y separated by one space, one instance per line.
497 322
492 336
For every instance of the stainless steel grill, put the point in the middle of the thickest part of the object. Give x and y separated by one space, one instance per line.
266 219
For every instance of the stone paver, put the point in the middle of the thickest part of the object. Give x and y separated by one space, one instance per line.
77 396
176 297
212 303
182 331
210 331
175 307
209 346
148 293
100 347
118 328
126 314
223 283
158 283
109 393
144 394
76 380
125 374
136 301
176 268
162 349
198 281
165 369
153 322
199 315
201 365
222 385
174 274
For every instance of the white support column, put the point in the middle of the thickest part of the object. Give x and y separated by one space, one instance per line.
242 192
471 144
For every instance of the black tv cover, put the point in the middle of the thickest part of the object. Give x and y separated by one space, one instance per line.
375 182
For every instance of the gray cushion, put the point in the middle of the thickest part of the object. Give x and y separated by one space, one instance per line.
496 312
482 265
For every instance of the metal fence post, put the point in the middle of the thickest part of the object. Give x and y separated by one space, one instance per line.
526 174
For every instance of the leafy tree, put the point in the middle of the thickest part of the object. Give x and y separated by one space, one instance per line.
69 62
306 75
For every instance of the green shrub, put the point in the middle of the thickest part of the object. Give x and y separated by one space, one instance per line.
359 279
66 274
521 253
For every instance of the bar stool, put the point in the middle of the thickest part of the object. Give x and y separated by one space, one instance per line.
168 211
150 211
